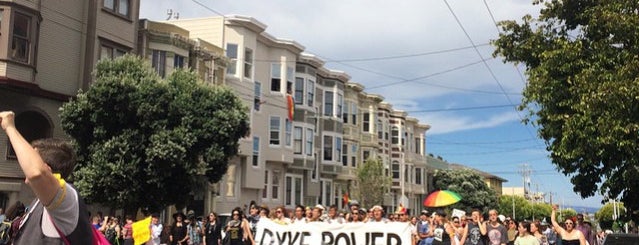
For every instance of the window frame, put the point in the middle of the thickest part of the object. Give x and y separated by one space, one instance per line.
276 81
288 131
231 69
298 136
395 135
326 144
255 161
309 141
275 141
115 9
248 63
257 97
310 92
329 103
159 63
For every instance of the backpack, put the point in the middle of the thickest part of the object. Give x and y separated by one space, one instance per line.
5 233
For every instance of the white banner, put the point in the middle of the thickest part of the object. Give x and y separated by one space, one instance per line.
321 233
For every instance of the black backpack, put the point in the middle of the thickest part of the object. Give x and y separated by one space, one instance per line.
5 233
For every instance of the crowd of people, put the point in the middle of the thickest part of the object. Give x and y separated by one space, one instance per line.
427 228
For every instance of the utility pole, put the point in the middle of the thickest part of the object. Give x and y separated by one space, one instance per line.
525 174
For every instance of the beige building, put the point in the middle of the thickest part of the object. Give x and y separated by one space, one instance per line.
48 50
309 156
492 181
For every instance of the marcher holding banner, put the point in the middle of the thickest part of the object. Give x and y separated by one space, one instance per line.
322 233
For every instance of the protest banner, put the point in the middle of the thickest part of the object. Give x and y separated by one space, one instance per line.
321 233
142 231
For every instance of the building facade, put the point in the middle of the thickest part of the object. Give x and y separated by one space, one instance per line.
47 53
311 127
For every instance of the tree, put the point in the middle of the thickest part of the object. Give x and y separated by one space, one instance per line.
521 207
372 183
469 185
605 215
583 80
145 142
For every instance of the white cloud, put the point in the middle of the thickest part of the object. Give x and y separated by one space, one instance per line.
441 123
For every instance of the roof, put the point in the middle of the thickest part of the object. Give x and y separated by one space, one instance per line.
436 163
482 173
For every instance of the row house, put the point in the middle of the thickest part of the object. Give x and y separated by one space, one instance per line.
48 50
311 127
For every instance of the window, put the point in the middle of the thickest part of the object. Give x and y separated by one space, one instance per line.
345 115
366 123
365 155
345 155
354 114
310 92
293 190
248 63
21 42
256 151
418 145
231 53
328 148
289 79
276 78
274 131
315 170
265 190
288 125
275 185
158 62
178 61
328 103
120 7
326 190
404 138
338 148
299 90
309 142
418 176
354 153
32 125
394 135
340 102
395 169
297 140
380 129
257 90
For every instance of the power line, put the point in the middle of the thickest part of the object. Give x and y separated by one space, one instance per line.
492 17
429 75
485 63
208 8
406 56
485 142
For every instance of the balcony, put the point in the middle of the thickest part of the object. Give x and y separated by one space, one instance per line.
331 169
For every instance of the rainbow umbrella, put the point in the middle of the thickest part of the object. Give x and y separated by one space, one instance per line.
441 198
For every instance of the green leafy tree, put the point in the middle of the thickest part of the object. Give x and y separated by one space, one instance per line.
605 215
566 213
583 80
372 183
469 185
521 206
146 142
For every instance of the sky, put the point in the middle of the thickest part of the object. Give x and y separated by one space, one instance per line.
431 59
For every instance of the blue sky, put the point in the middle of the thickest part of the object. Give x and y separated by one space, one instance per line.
429 58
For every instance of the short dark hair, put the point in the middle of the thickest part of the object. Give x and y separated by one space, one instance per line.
58 154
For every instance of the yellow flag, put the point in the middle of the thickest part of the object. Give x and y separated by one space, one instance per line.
142 231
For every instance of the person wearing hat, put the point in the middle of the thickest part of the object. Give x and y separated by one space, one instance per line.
317 212
378 214
423 229
178 229
402 216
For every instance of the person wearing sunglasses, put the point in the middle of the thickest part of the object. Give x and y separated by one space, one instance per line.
570 235
280 216
237 229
